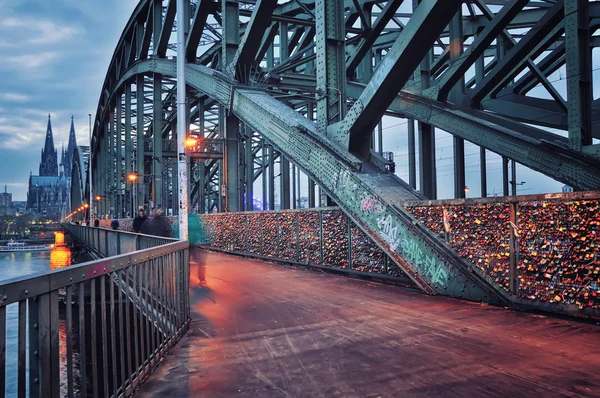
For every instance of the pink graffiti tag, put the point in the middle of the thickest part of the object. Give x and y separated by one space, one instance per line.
371 205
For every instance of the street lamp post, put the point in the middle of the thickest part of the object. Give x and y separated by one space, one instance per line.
182 163
90 171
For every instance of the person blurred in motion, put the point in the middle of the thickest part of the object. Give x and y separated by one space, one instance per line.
158 224
197 236
139 220
114 224
96 223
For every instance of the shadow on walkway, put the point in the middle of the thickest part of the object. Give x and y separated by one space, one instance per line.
261 330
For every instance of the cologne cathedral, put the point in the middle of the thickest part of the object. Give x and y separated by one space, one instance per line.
49 191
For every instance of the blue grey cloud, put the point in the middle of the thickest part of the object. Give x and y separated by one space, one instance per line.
54 58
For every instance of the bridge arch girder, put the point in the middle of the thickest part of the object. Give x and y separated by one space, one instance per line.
323 155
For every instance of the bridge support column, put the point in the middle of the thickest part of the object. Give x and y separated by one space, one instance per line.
139 156
579 73
120 203
271 177
264 176
157 166
230 41
129 206
249 169
284 186
331 74
412 169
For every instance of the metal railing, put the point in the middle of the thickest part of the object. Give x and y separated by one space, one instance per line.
97 328
323 238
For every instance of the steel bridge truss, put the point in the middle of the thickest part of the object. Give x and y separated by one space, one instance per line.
299 89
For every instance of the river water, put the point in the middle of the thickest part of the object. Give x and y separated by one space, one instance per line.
13 265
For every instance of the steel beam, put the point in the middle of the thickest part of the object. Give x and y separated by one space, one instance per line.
365 44
331 77
517 57
204 8
579 73
428 20
245 56
459 66
166 30
231 125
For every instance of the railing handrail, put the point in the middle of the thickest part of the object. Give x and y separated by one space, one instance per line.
20 288
558 196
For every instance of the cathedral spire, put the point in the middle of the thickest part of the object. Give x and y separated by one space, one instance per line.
49 163
68 155
49 145
72 140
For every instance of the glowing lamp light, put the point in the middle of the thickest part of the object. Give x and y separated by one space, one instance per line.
191 142
98 198
59 239
86 205
132 177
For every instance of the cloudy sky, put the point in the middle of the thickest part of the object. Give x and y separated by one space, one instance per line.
54 58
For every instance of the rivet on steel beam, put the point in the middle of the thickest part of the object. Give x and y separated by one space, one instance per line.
36 353
36 326
26 292
36 380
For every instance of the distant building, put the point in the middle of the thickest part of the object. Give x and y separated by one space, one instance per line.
49 191
20 205
6 203
6 198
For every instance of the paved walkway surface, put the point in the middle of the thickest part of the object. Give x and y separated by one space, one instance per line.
262 330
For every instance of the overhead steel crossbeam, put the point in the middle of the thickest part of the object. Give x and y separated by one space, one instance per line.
424 27
245 55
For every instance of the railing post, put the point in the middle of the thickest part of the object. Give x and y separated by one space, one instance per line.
106 251
48 350
277 235
261 223
34 348
513 252
118 243
320 237
349 229
297 236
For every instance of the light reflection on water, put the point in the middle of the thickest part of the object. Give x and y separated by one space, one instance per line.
18 264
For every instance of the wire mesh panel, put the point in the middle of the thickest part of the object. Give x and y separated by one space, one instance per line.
478 233
270 235
366 256
309 237
287 230
254 233
559 252
335 239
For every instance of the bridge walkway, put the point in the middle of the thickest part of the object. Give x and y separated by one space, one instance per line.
264 330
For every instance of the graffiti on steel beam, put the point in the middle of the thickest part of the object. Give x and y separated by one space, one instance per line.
390 231
371 205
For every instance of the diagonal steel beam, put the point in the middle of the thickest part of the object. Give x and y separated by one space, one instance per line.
457 70
166 30
518 57
367 42
204 8
429 19
245 55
